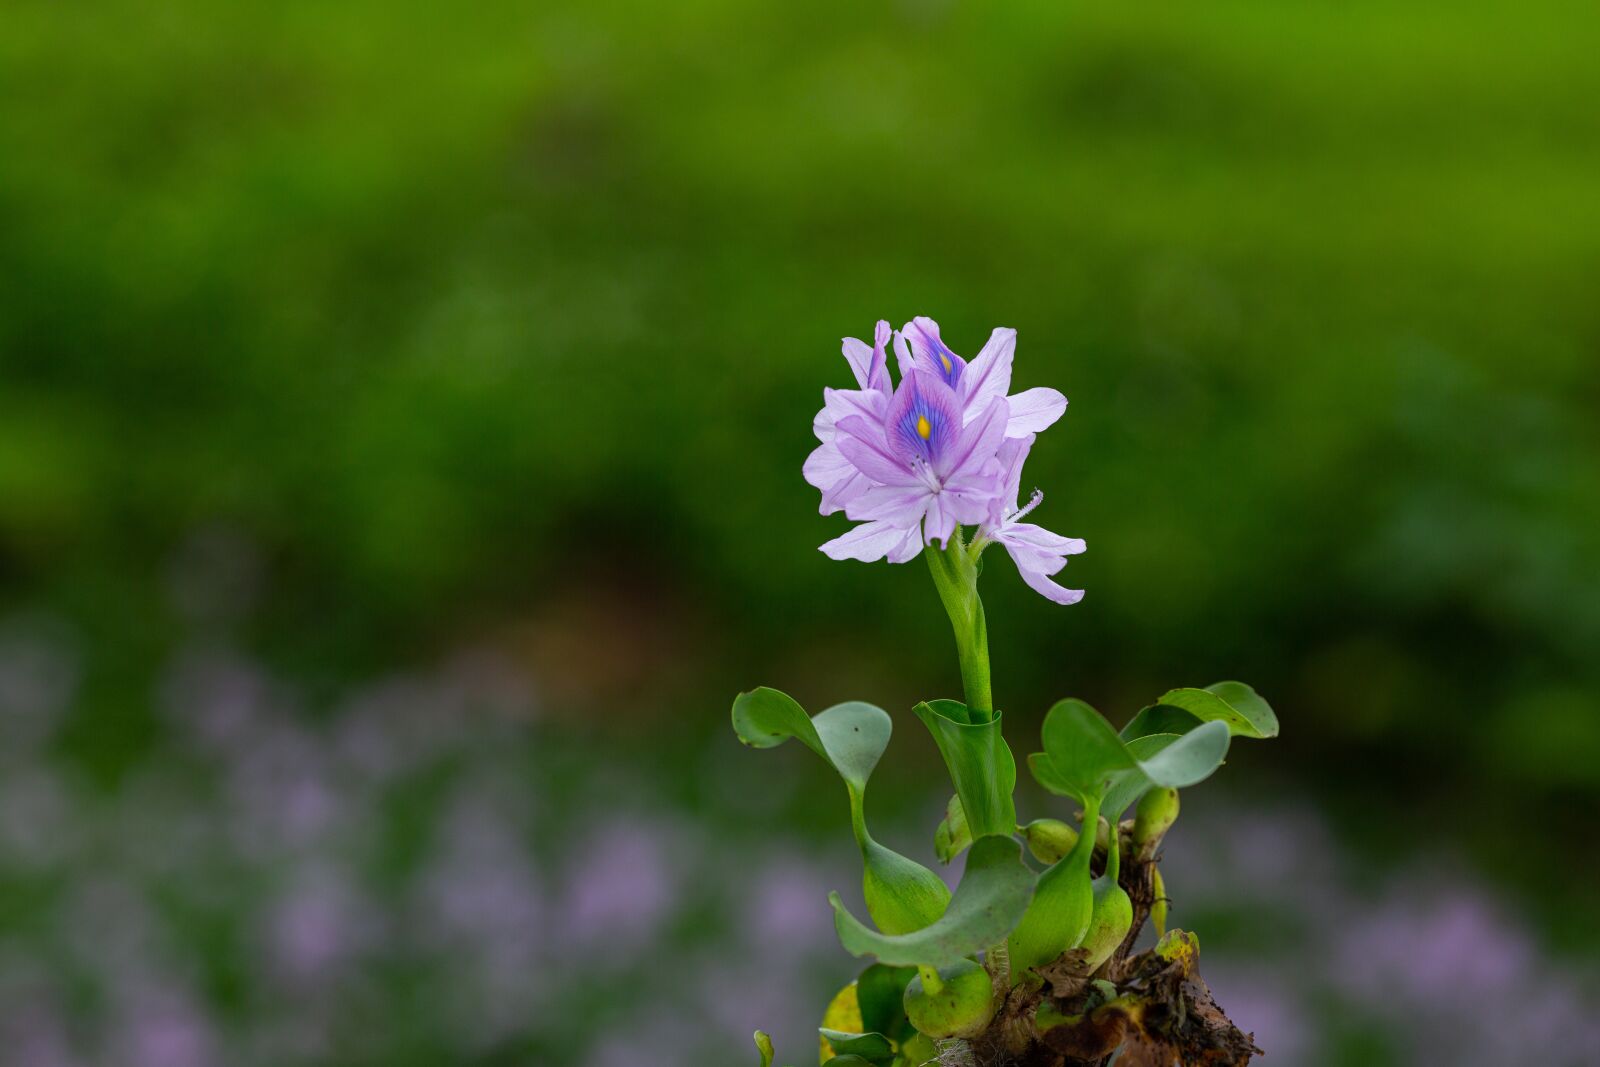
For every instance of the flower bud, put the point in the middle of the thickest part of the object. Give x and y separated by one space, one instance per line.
1158 906
1049 839
960 1006
1157 811
1109 922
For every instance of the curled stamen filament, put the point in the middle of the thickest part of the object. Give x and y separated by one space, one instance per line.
1033 502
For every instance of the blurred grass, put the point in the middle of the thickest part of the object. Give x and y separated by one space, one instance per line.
506 324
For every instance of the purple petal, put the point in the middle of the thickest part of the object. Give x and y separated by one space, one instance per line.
902 505
869 364
869 542
940 522
975 444
931 353
1027 535
903 356
922 421
1034 410
989 374
862 444
1013 454
1040 583
858 354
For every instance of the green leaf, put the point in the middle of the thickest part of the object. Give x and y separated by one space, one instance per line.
1129 785
1250 705
953 836
1190 759
848 1061
1171 760
901 894
880 994
872 1046
980 763
1234 703
1081 752
993 894
1159 719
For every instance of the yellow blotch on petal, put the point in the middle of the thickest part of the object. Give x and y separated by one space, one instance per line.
947 366
924 428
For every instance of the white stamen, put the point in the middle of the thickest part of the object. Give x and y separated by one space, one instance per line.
1033 502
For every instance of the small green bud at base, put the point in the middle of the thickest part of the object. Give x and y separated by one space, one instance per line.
1158 906
1049 839
1157 811
1109 922
961 1007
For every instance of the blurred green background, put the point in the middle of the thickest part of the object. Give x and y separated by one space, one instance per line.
348 337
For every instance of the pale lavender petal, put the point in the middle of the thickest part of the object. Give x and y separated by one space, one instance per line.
976 444
862 444
1034 410
1013 454
869 542
839 495
904 358
902 505
859 355
878 375
989 374
940 522
932 354
1026 534
826 465
910 546
1040 583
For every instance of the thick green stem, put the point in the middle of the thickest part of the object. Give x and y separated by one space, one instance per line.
955 576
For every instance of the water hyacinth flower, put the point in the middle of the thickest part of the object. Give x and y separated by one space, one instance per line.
928 470
913 463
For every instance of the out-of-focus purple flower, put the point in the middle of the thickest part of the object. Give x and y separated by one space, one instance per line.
1037 552
826 467
930 470
918 346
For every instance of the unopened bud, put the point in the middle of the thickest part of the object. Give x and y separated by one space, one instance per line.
1157 811
1049 839
961 1006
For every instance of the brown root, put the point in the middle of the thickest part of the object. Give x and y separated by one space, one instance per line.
1154 1005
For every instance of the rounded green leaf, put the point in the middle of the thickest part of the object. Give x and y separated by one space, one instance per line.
1250 705
1159 719
1234 703
980 763
902 895
1191 758
1084 751
766 718
1129 785
993 894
